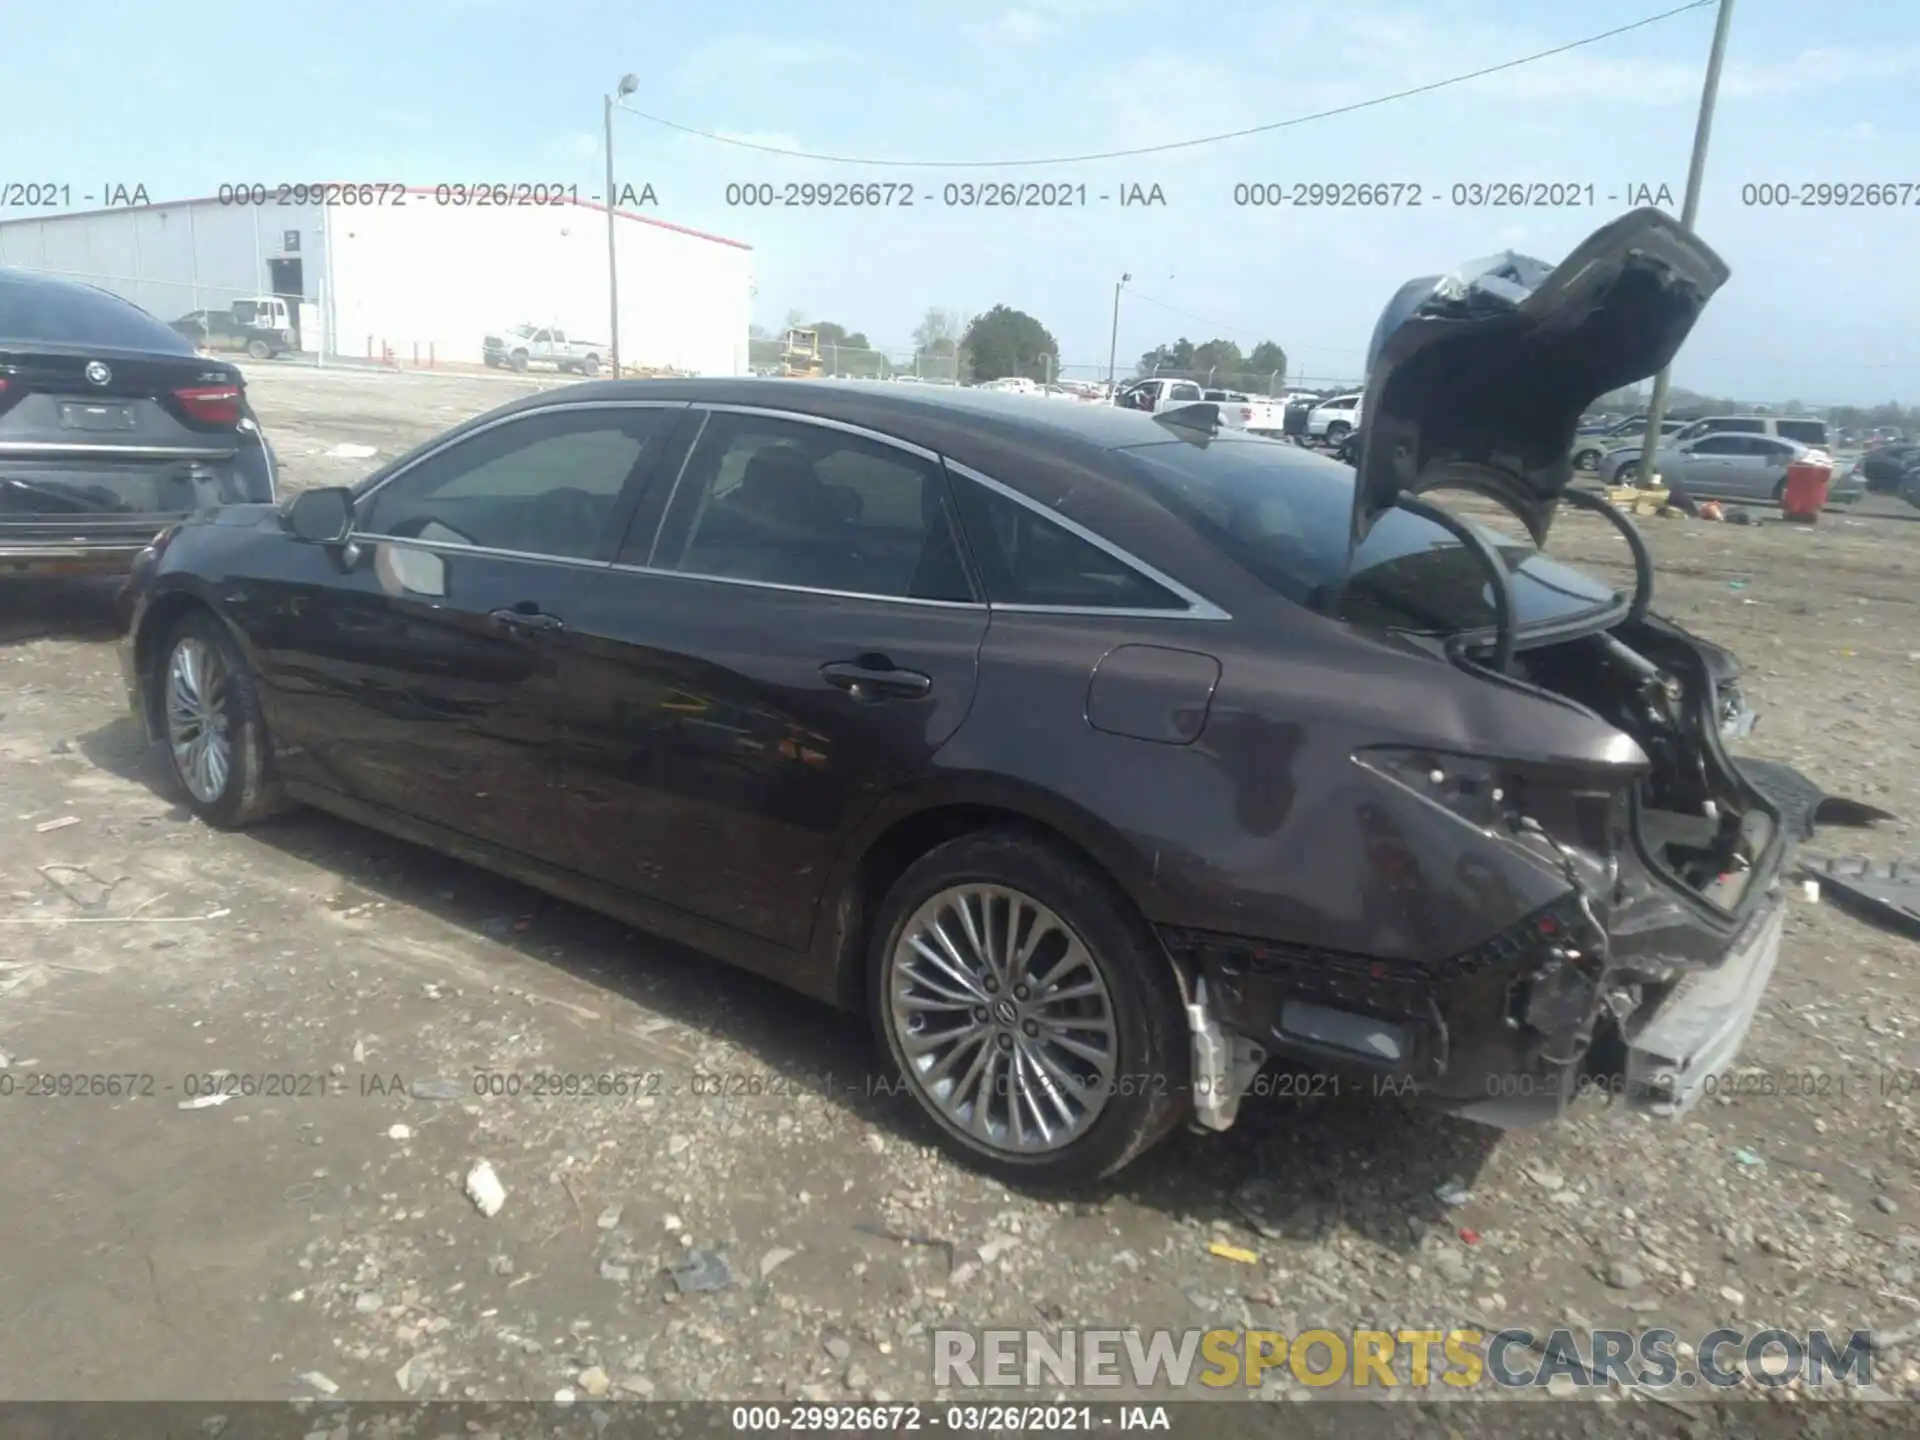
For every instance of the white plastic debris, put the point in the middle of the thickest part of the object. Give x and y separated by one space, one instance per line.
1810 891
609 1217
485 1190
352 452
773 1260
399 1132
62 823
320 1382
202 1102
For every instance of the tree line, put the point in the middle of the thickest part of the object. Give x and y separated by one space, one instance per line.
1004 342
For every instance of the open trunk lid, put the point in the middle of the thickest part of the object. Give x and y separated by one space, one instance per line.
1479 379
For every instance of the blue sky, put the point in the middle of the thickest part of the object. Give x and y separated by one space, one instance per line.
1822 306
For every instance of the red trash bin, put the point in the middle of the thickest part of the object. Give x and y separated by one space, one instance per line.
1805 493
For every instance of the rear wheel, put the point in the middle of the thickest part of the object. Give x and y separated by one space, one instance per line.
590 367
259 350
1336 432
1028 1010
215 730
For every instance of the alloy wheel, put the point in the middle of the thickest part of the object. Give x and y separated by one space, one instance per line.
1003 1019
196 714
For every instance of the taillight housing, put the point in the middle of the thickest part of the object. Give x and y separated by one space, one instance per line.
211 404
1246 413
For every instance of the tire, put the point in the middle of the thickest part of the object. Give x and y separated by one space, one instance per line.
1101 1125
590 367
518 360
1336 432
1587 460
241 790
259 350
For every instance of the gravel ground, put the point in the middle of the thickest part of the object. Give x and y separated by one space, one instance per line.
241 1250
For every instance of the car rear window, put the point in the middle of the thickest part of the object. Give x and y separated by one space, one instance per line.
35 311
1807 432
1285 516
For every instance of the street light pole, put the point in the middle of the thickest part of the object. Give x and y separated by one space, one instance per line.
628 84
1689 212
1113 345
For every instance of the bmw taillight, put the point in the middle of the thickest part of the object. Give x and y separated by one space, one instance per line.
211 404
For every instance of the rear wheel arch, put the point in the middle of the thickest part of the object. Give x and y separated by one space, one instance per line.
162 617
861 889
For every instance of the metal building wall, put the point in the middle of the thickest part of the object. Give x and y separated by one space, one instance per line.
422 281
171 258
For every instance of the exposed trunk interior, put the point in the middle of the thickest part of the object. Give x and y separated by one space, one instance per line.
1693 818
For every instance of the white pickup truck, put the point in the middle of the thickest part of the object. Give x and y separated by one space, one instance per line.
1237 411
519 346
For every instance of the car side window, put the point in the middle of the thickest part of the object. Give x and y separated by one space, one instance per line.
1185 392
785 502
1027 559
1721 445
545 483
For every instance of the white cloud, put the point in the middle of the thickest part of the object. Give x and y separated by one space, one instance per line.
1013 27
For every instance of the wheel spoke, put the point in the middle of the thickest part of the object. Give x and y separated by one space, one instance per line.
196 719
1014 1072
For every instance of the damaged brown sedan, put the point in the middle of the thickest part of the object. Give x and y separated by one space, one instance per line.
1099 758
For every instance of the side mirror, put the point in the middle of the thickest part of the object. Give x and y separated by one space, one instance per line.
322 517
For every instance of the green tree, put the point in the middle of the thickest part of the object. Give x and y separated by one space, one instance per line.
1167 359
1268 358
1218 357
1005 341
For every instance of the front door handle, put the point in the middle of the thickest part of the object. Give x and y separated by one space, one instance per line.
526 622
876 682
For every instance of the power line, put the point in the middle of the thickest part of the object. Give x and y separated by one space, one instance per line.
1426 89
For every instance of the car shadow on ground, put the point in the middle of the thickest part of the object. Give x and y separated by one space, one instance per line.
1310 1154
58 610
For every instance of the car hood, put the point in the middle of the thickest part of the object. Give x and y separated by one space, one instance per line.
1482 384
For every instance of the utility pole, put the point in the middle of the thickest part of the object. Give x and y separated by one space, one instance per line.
628 84
1689 212
1113 345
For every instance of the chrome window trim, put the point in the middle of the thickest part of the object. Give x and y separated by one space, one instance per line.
862 595
142 452
826 423
919 452
453 547
1198 606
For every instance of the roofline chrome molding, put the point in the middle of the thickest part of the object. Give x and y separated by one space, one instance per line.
825 422
1198 606
530 412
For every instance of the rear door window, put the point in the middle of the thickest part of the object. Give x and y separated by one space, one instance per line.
1807 432
1025 559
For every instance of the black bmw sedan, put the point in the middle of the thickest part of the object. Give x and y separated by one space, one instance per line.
111 426
1098 757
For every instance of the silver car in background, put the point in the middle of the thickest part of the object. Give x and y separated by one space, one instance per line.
1751 468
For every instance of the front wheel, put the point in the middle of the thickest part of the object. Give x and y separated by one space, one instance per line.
1588 460
1028 1010
1336 432
519 360
259 350
590 367
215 730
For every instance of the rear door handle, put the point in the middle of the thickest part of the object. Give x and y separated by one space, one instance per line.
526 622
871 682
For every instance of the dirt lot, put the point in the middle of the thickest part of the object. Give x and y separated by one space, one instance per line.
228 1251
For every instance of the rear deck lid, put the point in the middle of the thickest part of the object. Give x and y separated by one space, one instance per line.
1479 378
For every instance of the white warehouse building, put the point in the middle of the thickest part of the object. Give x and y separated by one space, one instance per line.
416 282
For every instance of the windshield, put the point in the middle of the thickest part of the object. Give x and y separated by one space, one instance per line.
1286 517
